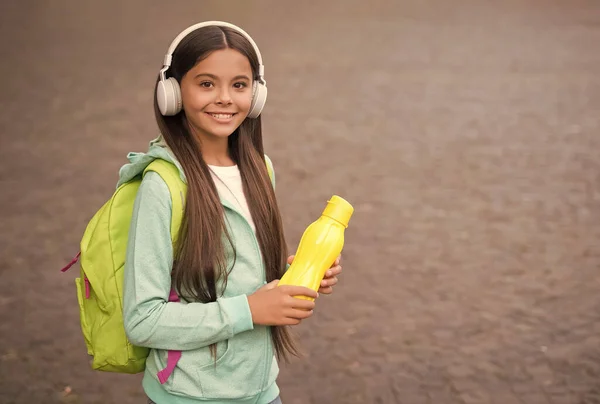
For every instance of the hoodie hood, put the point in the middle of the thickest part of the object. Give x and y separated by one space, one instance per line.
138 162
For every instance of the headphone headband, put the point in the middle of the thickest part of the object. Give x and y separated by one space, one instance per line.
185 32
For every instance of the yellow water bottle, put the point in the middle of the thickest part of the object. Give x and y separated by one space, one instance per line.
320 245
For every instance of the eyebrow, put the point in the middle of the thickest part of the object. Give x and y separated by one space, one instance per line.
212 76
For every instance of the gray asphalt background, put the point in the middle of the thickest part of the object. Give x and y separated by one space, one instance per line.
465 133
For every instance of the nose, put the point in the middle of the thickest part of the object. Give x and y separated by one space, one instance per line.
223 96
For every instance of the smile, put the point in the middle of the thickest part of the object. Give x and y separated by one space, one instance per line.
220 117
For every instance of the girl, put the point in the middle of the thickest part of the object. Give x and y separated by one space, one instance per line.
231 320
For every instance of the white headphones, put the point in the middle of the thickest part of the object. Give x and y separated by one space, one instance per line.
168 93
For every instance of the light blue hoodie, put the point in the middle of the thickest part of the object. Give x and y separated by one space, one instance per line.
246 368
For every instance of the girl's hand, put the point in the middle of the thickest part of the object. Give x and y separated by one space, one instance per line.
330 278
272 305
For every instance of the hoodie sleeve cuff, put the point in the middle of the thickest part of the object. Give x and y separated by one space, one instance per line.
238 312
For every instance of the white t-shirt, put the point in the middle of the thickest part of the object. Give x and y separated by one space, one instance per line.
228 181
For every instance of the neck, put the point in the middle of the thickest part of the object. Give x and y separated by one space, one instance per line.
216 155
215 152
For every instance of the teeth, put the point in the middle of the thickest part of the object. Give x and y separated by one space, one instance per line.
222 116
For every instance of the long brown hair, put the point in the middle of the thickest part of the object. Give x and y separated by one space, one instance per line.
200 257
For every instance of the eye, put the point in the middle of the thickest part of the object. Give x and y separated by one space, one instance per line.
206 84
240 85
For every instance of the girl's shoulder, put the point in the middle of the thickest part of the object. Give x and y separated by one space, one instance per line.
153 190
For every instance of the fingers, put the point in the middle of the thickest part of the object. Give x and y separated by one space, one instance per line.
291 321
290 259
333 271
326 291
295 316
329 282
299 309
299 291
299 314
302 304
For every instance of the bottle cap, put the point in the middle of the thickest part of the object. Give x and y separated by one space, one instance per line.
339 209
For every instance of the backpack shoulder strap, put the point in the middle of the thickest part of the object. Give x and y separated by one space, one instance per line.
270 170
177 188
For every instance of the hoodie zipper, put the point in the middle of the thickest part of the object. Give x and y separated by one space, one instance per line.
268 358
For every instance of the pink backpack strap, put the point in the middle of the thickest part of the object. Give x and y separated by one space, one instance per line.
172 359
172 356
73 261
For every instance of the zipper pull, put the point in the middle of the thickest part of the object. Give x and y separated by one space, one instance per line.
73 261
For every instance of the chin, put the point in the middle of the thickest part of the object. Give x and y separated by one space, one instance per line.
222 133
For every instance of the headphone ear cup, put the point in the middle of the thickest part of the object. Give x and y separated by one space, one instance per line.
258 99
168 97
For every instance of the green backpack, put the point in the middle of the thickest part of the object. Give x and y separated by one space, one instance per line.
100 286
